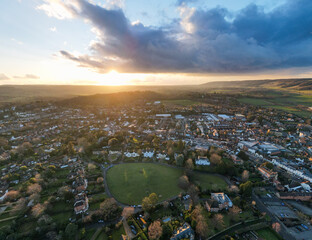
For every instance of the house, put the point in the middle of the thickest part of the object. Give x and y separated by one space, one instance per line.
202 161
218 202
183 232
267 174
212 206
295 196
81 204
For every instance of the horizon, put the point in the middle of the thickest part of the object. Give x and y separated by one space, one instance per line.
129 43
147 85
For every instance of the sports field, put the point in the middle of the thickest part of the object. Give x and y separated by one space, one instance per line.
130 183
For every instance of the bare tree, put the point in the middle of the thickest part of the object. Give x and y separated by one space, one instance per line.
215 159
193 192
155 230
38 210
100 180
245 176
277 227
34 188
201 226
233 212
11 195
183 182
218 221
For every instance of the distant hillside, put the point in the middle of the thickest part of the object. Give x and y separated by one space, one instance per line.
113 98
295 84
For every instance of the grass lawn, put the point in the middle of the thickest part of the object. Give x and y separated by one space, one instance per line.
116 234
267 234
62 217
206 181
130 183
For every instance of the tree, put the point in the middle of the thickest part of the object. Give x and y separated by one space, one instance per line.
109 209
233 212
91 166
277 227
20 205
155 230
71 230
179 160
38 210
218 221
65 192
246 189
100 180
183 182
189 164
34 188
193 192
201 226
245 175
149 202
113 142
268 165
243 155
11 195
189 167
215 159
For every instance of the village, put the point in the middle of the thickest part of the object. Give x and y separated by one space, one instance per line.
154 170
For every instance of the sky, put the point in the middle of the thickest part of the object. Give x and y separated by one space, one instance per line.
160 42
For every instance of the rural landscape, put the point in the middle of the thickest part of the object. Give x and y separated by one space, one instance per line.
155 120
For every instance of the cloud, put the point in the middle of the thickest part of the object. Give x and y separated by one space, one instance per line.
3 77
184 2
27 76
201 41
60 9
53 29
17 41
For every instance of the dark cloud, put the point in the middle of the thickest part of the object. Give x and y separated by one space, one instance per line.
202 41
28 76
3 77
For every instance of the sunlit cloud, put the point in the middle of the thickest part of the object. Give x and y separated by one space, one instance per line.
27 76
3 77
205 41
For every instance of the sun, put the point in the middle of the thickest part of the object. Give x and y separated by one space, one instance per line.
114 78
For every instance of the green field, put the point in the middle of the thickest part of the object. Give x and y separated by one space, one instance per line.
130 183
287 102
210 182
267 234
181 102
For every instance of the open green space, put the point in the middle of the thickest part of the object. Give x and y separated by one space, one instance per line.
210 182
130 183
181 102
267 234
289 102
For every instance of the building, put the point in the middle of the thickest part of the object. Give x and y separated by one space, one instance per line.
218 202
183 232
267 174
202 161
295 196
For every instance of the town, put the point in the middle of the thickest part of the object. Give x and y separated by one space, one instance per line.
154 169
